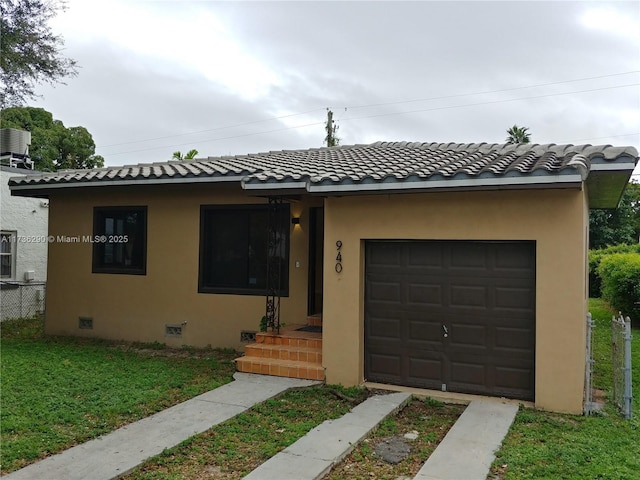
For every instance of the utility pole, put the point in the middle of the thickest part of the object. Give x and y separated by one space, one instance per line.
331 129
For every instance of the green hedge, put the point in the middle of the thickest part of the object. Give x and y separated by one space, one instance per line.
620 274
596 256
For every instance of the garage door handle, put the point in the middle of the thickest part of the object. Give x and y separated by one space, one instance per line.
446 332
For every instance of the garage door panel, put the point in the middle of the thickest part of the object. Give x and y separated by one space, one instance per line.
384 328
467 256
385 292
512 377
514 298
425 369
428 259
423 294
469 296
510 339
385 365
384 256
425 331
482 292
468 374
466 335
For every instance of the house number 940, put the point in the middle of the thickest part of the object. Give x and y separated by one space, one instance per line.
339 256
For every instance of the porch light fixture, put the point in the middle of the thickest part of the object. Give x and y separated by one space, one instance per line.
295 221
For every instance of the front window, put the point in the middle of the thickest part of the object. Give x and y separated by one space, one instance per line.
7 254
234 249
120 240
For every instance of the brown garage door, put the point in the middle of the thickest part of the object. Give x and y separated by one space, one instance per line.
451 315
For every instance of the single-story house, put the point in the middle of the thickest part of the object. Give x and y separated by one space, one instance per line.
457 267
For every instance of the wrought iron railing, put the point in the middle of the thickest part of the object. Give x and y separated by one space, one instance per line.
276 252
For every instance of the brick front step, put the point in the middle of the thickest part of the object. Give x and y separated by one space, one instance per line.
280 368
284 352
291 337
315 320
290 353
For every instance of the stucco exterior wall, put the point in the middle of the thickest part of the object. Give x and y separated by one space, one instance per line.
137 307
29 218
555 219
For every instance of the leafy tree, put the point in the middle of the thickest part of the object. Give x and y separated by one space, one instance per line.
53 146
617 226
518 135
29 52
190 155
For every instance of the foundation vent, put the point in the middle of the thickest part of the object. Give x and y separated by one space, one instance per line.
248 336
173 330
85 323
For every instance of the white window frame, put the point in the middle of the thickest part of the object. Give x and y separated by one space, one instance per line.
11 237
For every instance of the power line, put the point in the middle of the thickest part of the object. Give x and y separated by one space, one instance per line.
491 102
213 129
380 115
216 139
367 106
492 91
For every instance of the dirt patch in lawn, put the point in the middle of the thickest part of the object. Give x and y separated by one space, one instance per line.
424 423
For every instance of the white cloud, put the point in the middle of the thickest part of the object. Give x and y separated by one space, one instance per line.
613 21
192 38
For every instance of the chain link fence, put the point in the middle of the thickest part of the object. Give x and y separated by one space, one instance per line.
21 299
589 404
621 345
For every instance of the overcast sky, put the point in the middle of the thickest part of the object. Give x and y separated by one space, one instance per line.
246 77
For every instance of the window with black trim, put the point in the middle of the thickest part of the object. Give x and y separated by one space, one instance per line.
8 254
234 249
120 240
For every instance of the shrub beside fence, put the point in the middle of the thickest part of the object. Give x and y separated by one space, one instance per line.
21 299
596 256
620 275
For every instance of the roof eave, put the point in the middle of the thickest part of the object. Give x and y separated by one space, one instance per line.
43 189
496 183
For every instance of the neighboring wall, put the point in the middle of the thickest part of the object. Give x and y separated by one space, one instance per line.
555 219
137 307
29 218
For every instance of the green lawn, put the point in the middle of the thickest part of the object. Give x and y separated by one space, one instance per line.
542 445
232 449
57 392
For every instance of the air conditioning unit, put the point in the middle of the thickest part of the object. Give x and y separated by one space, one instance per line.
29 275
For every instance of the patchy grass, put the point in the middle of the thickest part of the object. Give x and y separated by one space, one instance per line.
234 448
58 392
542 445
431 419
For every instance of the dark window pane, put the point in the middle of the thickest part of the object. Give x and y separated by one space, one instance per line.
234 249
6 266
121 240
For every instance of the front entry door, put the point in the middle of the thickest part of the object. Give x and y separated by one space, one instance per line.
316 249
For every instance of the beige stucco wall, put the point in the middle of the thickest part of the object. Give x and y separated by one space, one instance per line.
555 219
137 307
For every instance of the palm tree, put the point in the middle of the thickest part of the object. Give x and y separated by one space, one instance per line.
518 135
190 155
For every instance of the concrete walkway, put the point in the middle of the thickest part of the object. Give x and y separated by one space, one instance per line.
468 449
312 456
117 453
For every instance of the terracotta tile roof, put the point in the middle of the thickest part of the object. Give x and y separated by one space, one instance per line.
377 166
